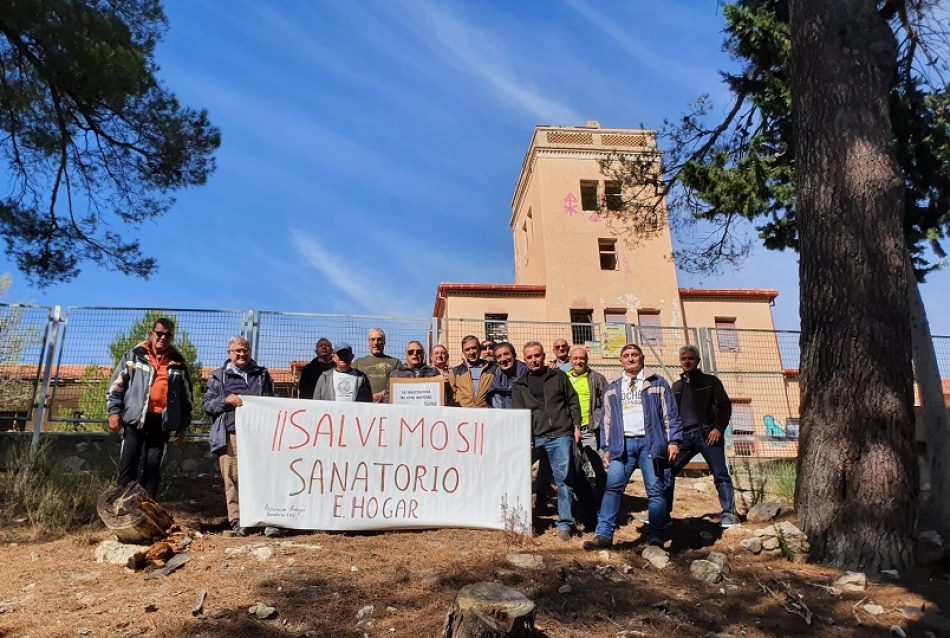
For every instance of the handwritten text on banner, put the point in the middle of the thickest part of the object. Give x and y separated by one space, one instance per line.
356 466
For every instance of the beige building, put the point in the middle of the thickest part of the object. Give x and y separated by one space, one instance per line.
585 272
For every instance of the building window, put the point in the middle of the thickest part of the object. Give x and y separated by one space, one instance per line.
496 327
582 326
608 254
650 330
589 195
726 335
613 196
615 315
742 421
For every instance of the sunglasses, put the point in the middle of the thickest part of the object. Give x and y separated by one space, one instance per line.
162 334
415 352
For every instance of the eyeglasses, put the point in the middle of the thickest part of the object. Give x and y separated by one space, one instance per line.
560 347
419 352
239 350
162 334
488 346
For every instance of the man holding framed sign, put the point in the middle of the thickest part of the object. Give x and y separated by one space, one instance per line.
416 383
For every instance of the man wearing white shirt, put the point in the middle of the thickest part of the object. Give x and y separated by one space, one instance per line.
641 429
343 382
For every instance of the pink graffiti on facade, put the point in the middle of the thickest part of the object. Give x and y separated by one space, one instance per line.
570 204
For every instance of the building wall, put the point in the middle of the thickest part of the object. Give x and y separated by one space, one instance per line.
564 251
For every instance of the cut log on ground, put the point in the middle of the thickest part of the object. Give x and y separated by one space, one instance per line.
132 516
489 610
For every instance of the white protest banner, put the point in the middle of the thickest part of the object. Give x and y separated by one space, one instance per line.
358 466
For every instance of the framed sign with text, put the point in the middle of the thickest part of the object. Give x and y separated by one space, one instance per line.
428 391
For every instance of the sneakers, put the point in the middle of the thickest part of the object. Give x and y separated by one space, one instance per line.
272 532
598 542
237 530
563 535
728 520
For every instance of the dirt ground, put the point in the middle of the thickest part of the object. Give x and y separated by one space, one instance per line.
318 582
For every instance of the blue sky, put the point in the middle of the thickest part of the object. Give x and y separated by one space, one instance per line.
370 149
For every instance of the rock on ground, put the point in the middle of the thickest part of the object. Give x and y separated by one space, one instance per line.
720 560
752 545
851 581
763 512
526 561
116 553
706 571
657 556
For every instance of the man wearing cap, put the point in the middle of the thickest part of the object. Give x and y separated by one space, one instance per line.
377 365
705 410
312 371
149 398
642 429
343 382
561 360
471 381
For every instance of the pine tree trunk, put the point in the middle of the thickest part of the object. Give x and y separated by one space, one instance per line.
933 412
857 468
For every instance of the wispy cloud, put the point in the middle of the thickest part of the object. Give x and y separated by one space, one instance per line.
476 52
345 272
659 64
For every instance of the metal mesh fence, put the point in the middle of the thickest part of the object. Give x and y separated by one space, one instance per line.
602 340
758 368
285 342
94 339
23 332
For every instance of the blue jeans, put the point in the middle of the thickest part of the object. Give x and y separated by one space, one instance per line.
715 455
560 453
655 477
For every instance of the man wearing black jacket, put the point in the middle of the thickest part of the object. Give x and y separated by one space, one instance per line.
555 425
705 410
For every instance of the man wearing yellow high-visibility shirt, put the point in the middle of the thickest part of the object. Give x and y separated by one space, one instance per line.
590 387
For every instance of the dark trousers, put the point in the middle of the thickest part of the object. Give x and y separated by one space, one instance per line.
715 455
140 458
591 479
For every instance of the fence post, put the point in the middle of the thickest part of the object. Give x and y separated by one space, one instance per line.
248 330
39 414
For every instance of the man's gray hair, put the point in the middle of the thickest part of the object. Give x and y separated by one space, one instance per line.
690 348
382 333
238 339
532 344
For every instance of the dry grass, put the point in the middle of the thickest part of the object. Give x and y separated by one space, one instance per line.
53 498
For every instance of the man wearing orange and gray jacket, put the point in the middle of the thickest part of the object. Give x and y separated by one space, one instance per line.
470 382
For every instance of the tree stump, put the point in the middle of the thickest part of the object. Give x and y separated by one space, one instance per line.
131 515
489 610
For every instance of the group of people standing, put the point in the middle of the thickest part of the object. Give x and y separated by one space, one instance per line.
588 434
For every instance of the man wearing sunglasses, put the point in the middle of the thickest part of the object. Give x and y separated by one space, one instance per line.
149 398
415 367
562 359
